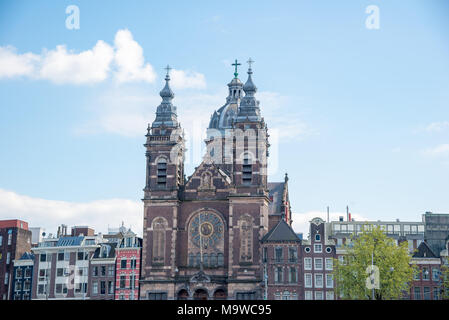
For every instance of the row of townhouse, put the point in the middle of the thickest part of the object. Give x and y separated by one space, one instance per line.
296 268
82 265
428 250
15 240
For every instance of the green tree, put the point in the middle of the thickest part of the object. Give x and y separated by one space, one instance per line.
444 289
391 260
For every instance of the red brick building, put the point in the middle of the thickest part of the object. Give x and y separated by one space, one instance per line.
128 261
282 259
426 282
15 240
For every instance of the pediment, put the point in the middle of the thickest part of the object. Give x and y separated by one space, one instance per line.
200 277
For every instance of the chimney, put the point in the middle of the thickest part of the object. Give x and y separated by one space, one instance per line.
349 217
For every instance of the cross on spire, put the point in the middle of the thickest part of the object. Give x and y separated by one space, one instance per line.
250 62
236 64
168 70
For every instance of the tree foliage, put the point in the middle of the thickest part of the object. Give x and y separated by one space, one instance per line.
392 261
444 289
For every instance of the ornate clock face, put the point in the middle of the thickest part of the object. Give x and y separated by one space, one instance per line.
206 228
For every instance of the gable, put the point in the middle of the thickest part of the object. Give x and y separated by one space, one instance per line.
208 178
281 232
424 251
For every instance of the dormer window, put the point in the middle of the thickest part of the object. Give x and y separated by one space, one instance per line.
105 251
162 172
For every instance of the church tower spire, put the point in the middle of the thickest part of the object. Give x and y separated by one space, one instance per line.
166 112
251 142
249 106
165 149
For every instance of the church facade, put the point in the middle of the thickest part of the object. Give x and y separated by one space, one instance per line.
202 236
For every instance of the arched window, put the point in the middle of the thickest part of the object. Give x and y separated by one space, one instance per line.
247 170
220 259
183 294
159 227
198 259
206 260
213 260
162 172
246 239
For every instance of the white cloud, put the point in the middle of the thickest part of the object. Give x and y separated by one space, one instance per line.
301 221
128 111
437 126
438 151
130 60
287 123
51 213
90 66
15 65
124 62
187 79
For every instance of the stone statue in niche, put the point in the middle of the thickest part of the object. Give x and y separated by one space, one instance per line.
206 181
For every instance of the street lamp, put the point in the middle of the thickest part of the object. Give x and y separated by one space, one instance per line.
46 284
265 279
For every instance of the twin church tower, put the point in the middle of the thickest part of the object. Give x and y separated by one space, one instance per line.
202 234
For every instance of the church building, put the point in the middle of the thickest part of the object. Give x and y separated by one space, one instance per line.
203 235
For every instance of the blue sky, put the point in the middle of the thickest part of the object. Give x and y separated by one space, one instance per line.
362 115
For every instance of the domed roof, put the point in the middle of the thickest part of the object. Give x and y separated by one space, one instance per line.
235 82
224 117
166 92
166 111
249 86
